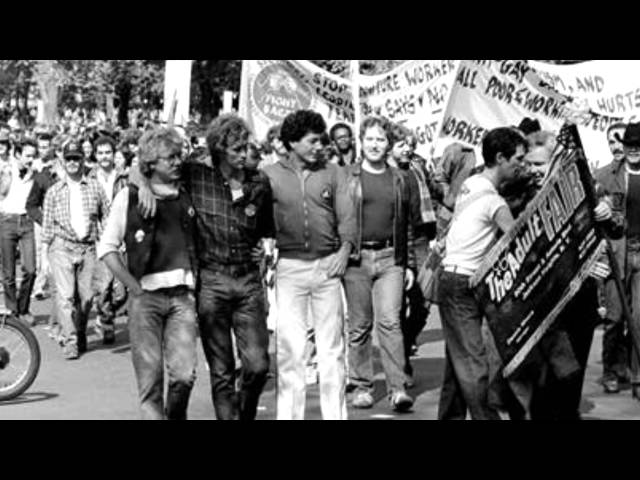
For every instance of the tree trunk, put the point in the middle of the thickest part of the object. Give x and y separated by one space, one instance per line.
124 95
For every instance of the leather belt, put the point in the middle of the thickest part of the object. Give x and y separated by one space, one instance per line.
232 270
458 270
377 245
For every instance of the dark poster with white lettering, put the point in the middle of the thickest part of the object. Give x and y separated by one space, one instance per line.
538 266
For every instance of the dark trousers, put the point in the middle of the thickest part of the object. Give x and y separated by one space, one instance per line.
412 320
466 376
17 230
559 399
234 300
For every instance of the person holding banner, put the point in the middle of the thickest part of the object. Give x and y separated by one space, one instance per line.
315 233
479 215
620 181
383 265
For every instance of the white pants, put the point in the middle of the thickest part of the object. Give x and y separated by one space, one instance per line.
302 288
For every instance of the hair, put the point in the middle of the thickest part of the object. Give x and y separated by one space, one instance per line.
298 124
45 136
25 143
338 126
104 140
150 143
399 133
273 132
616 125
503 140
131 135
223 132
325 140
377 121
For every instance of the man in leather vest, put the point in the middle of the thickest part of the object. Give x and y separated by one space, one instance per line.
160 277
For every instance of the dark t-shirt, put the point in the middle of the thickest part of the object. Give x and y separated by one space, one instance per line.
633 207
377 206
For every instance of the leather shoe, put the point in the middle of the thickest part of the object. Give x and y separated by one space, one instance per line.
611 385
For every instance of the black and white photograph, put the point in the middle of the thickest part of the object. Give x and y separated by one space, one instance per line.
320 240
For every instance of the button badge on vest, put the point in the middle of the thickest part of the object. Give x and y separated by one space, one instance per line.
250 211
139 236
191 212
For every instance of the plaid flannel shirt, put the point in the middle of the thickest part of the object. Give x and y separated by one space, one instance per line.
427 212
57 214
228 229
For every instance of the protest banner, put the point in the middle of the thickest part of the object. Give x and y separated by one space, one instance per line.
413 94
487 94
177 88
533 271
272 89
611 89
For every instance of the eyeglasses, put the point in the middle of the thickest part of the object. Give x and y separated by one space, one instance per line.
73 159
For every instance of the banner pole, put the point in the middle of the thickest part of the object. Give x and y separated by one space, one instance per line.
355 85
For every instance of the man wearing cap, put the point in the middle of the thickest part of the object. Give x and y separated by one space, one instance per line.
16 230
74 208
620 182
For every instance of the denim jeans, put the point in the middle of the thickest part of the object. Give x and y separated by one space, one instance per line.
617 349
17 230
227 301
72 267
163 331
306 298
374 290
466 376
41 280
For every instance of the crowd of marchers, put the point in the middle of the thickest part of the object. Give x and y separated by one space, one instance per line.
302 241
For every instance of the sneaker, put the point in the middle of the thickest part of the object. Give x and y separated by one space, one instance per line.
400 401
611 385
362 399
70 351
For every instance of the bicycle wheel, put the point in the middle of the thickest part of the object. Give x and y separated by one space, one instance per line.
19 357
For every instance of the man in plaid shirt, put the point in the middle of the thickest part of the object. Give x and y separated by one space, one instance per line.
74 208
234 211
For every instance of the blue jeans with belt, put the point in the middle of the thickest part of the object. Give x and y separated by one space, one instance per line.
17 231
466 376
233 298
374 290
163 330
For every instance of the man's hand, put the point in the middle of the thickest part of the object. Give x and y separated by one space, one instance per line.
339 263
602 211
146 201
257 252
135 290
600 271
45 266
409 279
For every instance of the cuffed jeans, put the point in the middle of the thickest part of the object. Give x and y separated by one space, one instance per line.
230 301
466 376
302 287
72 267
163 330
17 230
374 290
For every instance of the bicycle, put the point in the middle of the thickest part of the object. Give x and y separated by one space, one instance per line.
19 357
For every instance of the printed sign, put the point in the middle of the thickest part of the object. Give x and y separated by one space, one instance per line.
538 266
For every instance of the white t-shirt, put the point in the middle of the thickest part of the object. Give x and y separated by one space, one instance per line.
473 229
76 209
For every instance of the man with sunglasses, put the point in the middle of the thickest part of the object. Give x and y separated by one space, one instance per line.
74 208
233 206
160 276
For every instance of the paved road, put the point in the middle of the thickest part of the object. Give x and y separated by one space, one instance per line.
101 384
